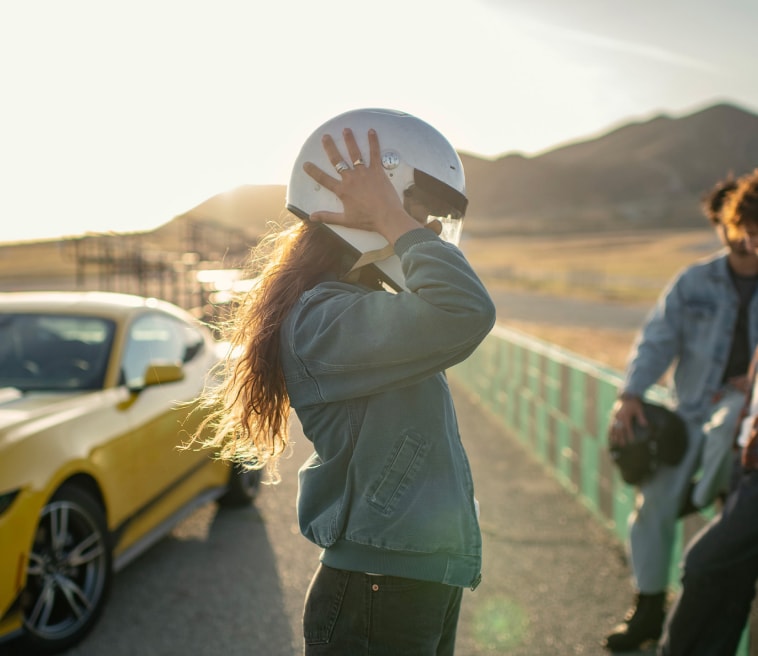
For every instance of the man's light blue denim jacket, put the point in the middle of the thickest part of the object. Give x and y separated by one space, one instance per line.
388 489
692 326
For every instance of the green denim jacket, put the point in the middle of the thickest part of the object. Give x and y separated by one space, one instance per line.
388 489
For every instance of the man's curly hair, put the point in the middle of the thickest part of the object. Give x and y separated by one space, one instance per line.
741 206
713 202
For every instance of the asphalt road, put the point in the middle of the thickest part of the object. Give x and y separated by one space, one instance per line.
231 583
565 311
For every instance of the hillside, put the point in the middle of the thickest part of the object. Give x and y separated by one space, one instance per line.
247 208
644 174
649 174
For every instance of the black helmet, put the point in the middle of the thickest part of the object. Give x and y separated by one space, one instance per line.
662 442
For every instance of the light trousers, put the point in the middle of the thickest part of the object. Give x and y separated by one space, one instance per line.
659 500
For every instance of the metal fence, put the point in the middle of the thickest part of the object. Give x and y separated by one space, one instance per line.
557 404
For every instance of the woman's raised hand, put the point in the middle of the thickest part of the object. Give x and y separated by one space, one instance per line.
369 200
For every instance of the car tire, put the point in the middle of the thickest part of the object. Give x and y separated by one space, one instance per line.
243 487
69 572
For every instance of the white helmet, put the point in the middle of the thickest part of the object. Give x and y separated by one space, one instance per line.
416 158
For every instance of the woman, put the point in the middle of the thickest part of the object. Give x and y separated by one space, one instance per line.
388 492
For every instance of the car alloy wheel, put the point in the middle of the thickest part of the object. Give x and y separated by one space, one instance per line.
69 570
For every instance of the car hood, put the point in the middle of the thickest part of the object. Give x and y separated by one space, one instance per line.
17 408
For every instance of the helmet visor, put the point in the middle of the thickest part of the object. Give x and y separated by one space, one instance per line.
452 227
440 202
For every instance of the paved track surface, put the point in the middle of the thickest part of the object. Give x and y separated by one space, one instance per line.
541 308
231 583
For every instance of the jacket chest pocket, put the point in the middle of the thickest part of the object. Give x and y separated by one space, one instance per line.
698 321
398 473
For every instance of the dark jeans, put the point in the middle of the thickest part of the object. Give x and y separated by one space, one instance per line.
718 582
356 614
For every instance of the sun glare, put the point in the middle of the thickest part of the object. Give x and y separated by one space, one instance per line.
165 105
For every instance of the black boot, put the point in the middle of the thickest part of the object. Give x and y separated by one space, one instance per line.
642 623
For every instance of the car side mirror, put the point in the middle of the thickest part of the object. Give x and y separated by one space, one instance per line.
160 374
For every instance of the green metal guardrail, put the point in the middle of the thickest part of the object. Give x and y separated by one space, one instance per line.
557 404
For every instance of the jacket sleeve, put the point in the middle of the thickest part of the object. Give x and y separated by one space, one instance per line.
658 343
350 342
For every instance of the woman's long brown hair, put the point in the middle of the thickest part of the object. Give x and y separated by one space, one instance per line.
248 411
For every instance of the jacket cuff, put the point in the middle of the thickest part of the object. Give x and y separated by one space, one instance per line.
413 237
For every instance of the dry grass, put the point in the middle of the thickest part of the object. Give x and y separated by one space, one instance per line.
629 267
43 258
607 347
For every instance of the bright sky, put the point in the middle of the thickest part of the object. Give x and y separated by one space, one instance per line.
121 115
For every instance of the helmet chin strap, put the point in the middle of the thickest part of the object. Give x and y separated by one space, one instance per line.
369 257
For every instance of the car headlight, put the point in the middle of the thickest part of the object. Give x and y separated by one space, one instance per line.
6 499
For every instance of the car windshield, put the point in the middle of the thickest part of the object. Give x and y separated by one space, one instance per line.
53 352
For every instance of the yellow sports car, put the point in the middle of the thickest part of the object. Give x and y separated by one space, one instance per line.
95 399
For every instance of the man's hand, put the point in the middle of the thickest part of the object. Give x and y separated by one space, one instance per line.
626 411
740 383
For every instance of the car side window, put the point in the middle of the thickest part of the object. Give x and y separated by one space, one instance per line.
54 351
158 338
192 340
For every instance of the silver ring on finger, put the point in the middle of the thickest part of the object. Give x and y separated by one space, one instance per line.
341 166
359 162
618 424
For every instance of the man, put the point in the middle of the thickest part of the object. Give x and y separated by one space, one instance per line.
721 564
705 324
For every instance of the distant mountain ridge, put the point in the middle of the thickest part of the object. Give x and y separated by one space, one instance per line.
643 174
646 174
